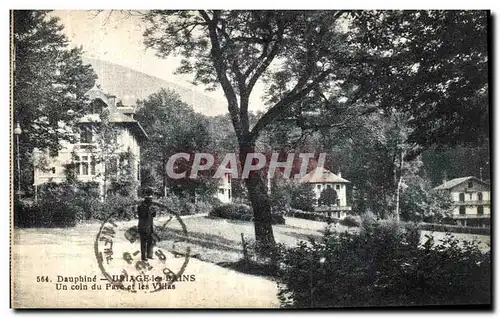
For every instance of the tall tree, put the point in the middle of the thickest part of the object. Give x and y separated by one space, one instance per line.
50 80
324 68
234 49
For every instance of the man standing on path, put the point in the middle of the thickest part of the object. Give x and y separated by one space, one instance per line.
146 214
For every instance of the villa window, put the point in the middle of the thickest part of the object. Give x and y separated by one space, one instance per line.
461 210
86 135
338 202
97 106
86 165
480 196
461 197
480 210
319 186
338 187
470 196
229 193
470 185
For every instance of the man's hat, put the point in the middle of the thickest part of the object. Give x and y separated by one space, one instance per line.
148 192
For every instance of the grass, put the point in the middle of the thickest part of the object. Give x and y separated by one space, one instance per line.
219 240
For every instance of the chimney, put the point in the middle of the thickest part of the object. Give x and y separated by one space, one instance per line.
339 174
445 177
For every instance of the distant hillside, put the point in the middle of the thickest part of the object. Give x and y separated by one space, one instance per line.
130 85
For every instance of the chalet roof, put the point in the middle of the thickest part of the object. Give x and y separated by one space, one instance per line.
457 181
96 93
118 115
322 175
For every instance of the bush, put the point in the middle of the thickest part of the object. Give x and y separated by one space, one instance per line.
45 214
309 215
122 208
240 212
383 265
184 206
349 221
27 215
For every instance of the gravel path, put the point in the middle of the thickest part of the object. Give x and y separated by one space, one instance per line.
56 253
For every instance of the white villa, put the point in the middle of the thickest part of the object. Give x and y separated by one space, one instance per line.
84 153
321 179
224 191
471 200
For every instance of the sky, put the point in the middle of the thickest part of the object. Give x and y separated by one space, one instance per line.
117 37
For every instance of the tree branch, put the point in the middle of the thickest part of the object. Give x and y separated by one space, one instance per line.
220 68
268 58
293 96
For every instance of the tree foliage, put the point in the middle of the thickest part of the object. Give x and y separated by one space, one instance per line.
328 197
49 79
49 83
326 68
433 65
173 127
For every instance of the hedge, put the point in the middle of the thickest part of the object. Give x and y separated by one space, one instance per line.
383 265
454 228
240 212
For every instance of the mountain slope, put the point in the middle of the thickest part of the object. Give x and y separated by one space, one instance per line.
130 85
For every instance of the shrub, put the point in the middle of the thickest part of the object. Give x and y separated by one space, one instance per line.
173 202
26 214
122 208
45 214
55 206
349 221
383 265
241 212
303 197
309 215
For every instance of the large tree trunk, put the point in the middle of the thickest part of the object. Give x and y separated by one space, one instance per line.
261 204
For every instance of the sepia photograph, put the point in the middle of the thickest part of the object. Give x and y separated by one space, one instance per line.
250 159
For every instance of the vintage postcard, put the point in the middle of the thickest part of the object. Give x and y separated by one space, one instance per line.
250 159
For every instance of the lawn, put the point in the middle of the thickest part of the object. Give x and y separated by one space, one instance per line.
220 240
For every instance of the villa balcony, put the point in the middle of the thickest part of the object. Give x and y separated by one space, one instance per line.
473 203
470 216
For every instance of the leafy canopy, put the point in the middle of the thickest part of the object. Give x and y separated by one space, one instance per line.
50 79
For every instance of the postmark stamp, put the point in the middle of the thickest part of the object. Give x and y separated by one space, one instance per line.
117 252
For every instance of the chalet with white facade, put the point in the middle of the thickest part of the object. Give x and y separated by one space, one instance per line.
94 159
471 200
322 179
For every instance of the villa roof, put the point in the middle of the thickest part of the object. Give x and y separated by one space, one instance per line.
322 175
118 115
454 182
